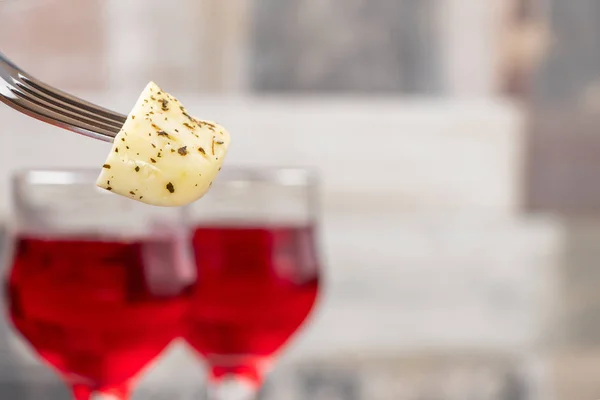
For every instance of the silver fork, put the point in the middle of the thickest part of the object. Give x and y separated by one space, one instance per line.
38 100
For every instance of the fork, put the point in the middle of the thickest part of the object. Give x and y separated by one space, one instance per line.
28 95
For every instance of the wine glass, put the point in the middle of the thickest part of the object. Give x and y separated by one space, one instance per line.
99 284
257 273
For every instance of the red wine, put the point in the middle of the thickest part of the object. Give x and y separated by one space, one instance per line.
255 287
97 310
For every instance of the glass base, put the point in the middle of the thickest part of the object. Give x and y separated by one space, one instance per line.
231 387
82 392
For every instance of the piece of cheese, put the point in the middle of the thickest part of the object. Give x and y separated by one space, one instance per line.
162 155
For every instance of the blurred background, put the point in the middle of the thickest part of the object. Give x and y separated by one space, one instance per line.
458 144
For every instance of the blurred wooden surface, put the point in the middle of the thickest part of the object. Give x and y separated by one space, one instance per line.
576 375
445 156
572 64
237 46
61 41
563 162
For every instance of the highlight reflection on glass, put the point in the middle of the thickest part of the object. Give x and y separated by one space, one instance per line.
258 273
98 284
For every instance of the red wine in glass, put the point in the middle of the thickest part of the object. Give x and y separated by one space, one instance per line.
256 285
99 310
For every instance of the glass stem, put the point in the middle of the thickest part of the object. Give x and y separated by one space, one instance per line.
230 388
105 396
83 392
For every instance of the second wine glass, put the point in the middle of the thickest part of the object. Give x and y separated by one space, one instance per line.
258 273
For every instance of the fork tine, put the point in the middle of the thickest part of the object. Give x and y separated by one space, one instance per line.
55 116
20 76
66 112
33 97
58 104
61 99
